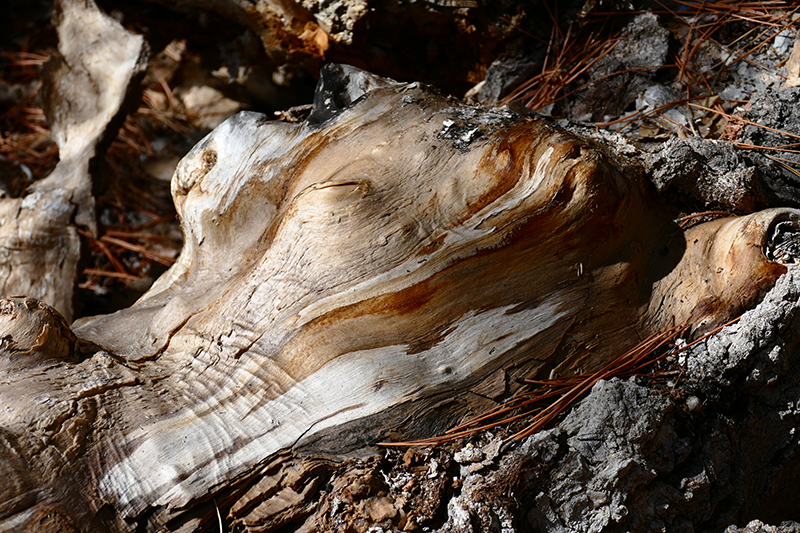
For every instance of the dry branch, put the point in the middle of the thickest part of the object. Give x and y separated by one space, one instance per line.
87 85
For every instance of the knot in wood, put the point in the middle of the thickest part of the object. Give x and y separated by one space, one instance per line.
32 333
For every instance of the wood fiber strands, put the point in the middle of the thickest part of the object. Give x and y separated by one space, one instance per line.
358 277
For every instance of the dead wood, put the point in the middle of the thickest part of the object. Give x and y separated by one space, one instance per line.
87 84
288 31
365 275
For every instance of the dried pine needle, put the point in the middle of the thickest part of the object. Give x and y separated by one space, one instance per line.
544 404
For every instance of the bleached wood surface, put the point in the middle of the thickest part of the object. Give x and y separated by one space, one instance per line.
85 86
377 272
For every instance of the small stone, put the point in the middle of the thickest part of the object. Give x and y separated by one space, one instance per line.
468 454
381 508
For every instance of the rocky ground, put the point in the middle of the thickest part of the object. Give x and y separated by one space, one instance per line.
704 97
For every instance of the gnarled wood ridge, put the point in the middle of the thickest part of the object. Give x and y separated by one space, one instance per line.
376 272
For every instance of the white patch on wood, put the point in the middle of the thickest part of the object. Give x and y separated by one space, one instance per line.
181 452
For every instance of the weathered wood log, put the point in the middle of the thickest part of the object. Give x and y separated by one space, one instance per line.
379 271
86 85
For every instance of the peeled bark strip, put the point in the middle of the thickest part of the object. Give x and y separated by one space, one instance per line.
85 87
377 272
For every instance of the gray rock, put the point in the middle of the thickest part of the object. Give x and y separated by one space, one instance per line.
756 526
779 171
706 175
338 17
510 70
718 175
643 45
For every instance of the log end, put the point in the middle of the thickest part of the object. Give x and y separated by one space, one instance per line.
34 333
726 267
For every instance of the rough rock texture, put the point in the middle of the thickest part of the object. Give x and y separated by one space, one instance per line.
778 170
706 175
756 526
720 448
508 71
338 17
580 475
721 175
642 47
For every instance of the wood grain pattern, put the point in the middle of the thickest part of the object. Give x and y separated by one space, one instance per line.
85 86
365 275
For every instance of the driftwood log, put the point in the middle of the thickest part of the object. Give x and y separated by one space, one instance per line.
377 272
